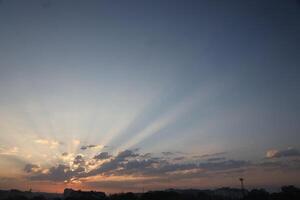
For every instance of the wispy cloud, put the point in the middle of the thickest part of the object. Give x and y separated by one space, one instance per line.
76 142
9 151
51 143
290 152
210 155
168 153
216 159
91 146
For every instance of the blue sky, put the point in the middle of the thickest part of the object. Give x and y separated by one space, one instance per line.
192 78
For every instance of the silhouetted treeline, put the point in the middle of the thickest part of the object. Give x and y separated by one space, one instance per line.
286 193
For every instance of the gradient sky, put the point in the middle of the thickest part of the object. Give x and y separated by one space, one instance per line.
124 95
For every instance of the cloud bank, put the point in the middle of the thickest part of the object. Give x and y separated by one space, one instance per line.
290 152
131 163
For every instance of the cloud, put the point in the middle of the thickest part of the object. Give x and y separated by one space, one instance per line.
78 160
146 155
224 165
167 153
102 156
65 154
290 152
76 142
179 158
41 141
169 167
216 159
67 157
116 162
126 154
210 155
283 165
9 151
133 163
163 168
51 143
105 167
29 168
58 173
91 146
139 164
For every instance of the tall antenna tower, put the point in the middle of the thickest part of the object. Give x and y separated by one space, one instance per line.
242 186
143 187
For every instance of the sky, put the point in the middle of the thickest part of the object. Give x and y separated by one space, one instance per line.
139 95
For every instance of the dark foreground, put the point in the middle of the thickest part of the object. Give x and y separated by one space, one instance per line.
286 193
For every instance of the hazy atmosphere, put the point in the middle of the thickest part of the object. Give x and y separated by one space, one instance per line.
141 95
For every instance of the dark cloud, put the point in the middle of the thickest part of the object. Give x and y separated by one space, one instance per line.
58 173
161 167
280 165
168 153
79 170
179 158
65 154
216 159
146 167
176 167
141 167
270 165
105 167
123 155
291 152
210 155
31 168
102 156
78 160
224 165
146 155
85 147
131 162
117 162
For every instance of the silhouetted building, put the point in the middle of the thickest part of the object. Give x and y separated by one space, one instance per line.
70 194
